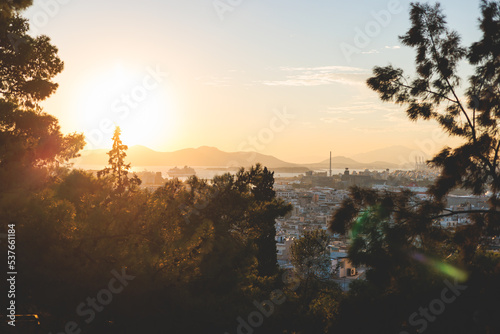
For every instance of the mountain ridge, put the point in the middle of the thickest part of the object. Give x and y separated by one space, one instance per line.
139 155
395 154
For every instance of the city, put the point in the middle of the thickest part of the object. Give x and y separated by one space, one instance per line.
250 167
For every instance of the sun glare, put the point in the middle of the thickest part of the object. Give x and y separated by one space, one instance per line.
136 100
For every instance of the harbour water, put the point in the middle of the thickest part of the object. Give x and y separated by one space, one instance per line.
206 172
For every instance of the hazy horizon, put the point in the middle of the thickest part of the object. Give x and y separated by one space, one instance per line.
283 79
396 154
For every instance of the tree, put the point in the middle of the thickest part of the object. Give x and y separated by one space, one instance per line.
28 64
311 256
118 169
396 234
30 139
435 94
8 7
266 209
76 228
315 305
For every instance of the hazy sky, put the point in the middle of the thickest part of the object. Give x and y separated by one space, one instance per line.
281 77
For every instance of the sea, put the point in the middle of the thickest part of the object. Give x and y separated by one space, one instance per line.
208 172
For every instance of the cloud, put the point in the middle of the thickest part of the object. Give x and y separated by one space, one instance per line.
370 51
396 117
318 76
399 126
308 125
394 47
336 119
374 129
324 69
215 81
359 108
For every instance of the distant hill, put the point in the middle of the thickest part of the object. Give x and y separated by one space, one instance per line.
396 154
344 162
201 156
211 156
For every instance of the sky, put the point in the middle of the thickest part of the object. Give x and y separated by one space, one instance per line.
281 77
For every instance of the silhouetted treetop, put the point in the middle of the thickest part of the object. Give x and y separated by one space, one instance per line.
118 170
8 7
31 139
435 93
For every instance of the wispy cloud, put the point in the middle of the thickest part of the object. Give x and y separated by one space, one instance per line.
318 76
332 68
372 130
358 108
336 119
399 128
215 81
370 51
308 125
397 125
396 117
380 50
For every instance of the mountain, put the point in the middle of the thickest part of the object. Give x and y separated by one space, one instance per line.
201 156
396 154
344 162
211 156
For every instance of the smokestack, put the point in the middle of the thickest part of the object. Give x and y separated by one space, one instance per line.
330 163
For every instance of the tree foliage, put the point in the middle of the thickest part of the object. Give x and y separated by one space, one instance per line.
435 93
311 256
397 235
8 7
30 139
118 170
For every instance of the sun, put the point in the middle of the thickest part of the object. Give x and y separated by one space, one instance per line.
138 101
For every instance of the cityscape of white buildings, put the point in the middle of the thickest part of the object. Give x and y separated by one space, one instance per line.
316 196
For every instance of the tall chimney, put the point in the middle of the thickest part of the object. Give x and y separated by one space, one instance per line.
330 163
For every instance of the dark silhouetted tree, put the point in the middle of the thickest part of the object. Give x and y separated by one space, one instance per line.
435 93
9 7
118 170
311 256
30 139
397 235
267 209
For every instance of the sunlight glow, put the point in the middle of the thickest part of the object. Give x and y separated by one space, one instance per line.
134 100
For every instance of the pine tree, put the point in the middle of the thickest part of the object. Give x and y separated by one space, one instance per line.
118 170
397 235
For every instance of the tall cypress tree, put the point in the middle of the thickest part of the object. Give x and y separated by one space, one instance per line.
118 169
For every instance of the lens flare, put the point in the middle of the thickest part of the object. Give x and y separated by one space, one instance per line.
360 223
442 267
